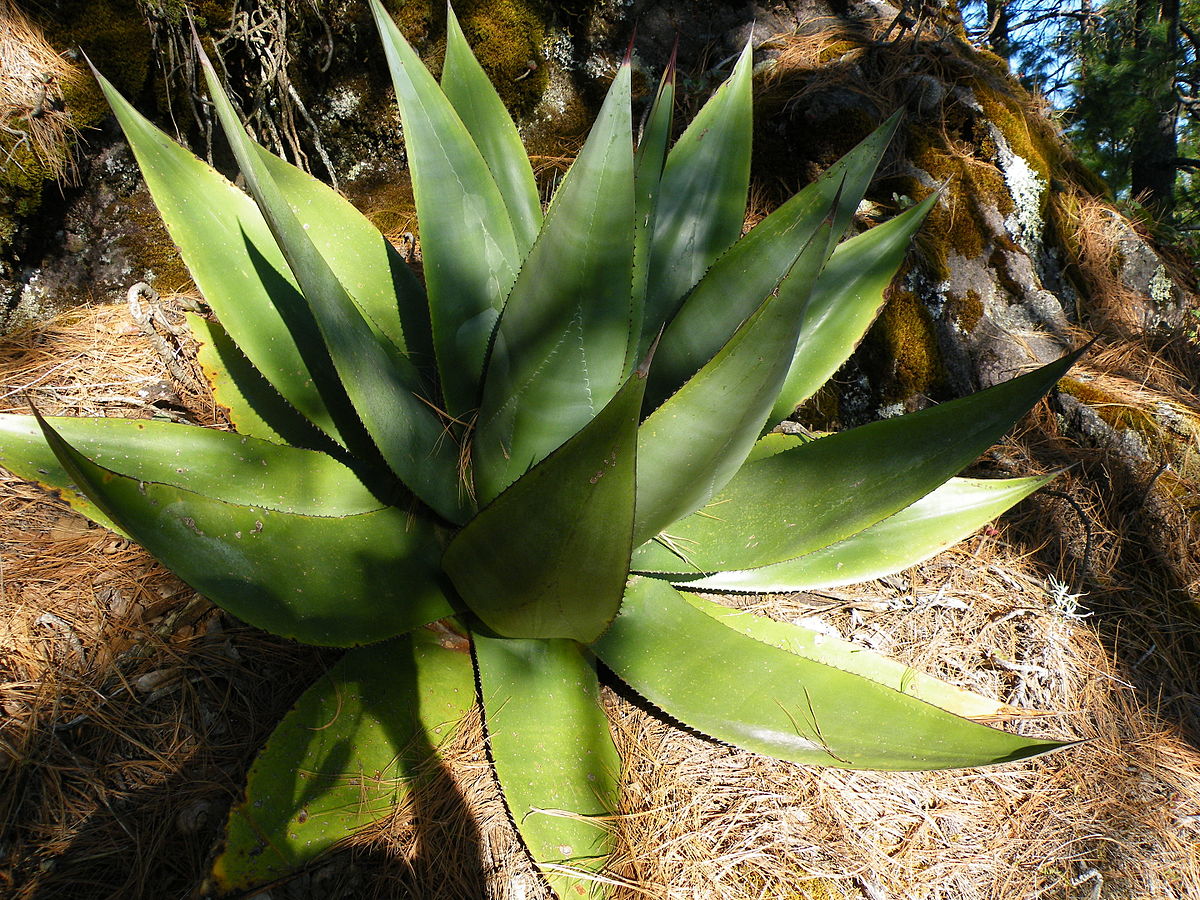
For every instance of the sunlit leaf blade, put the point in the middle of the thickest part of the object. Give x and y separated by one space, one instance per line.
355 579
468 249
381 383
648 166
844 303
344 756
935 522
253 405
701 198
856 659
374 275
475 100
222 465
696 441
549 556
738 281
823 491
560 347
238 267
767 700
553 753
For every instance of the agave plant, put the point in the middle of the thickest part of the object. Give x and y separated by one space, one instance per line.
489 483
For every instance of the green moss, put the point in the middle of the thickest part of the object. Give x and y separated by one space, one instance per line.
149 246
1116 412
904 335
966 310
112 33
507 37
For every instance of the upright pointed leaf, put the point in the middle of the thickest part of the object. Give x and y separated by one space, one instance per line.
566 527
696 441
560 347
935 522
475 100
553 754
382 384
739 280
346 754
702 197
360 578
469 251
238 267
823 491
847 297
770 701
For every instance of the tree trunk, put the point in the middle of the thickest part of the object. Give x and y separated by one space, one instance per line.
1152 167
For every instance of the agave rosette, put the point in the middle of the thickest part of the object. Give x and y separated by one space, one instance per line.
545 449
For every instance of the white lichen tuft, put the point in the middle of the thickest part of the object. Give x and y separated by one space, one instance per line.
1162 289
1026 187
344 102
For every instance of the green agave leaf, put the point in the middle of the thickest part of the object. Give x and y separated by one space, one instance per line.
344 756
648 165
847 297
321 580
696 441
702 197
553 754
566 527
237 265
382 384
253 405
224 466
855 659
738 281
771 701
823 491
935 522
468 248
560 347
482 111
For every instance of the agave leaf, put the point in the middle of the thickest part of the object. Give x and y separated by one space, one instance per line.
695 442
344 756
648 166
560 347
382 384
221 465
468 248
238 267
844 303
770 701
566 527
319 579
702 197
475 100
824 491
253 405
935 522
739 280
856 659
553 753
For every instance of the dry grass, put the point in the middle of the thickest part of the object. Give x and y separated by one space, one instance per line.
131 709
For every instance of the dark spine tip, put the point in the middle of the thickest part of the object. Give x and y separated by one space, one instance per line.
629 50
673 62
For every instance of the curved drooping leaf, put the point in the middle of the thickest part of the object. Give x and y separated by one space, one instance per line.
771 701
323 580
938 520
701 198
741 278
382 384
843 304
237 265
553 753
253 405
696 441
826 490
560 347
475 100
221 465
565 529
856 659
647 173
468 248
344 756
